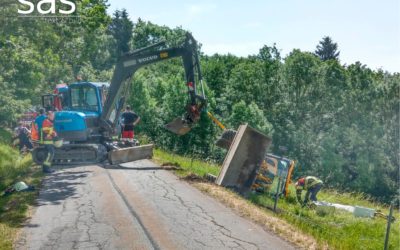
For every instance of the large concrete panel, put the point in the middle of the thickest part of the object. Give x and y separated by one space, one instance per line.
130 154
243 159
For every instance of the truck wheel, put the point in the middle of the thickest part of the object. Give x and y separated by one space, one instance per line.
39 155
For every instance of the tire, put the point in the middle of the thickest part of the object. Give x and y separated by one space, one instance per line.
39 155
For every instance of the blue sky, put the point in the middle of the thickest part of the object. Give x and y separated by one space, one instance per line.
366 31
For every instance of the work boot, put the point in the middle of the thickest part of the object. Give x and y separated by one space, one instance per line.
47 170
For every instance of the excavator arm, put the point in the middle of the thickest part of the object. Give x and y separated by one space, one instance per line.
130 63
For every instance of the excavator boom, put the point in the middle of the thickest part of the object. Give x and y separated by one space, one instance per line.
131 62
126 68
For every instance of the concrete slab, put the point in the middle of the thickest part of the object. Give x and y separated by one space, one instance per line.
131 154
243 159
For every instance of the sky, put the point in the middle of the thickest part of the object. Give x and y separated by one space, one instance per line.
365 30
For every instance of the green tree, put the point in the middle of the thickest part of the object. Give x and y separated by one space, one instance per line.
251 114
121 29
327 49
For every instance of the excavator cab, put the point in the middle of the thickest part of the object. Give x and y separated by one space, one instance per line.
56 101
48 102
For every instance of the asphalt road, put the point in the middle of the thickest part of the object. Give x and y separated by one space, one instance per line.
139 206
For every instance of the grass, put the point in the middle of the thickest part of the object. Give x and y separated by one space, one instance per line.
14 207
340 230
187 165
5 135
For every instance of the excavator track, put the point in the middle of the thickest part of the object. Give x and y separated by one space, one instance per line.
72 154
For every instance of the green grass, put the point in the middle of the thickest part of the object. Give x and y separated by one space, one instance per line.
5 136
340 230
14 207
188 166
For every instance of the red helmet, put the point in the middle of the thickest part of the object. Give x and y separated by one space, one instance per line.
300 182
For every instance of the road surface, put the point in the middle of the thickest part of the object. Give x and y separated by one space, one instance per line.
137 206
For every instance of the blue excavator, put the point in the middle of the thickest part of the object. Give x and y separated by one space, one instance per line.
88 121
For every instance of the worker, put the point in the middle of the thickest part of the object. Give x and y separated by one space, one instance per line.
49 140
129 120
37 125
312 185
23 133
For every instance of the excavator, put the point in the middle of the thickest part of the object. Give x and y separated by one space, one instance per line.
88 123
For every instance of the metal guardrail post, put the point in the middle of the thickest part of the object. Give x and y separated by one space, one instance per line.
283 149
277 193
389 221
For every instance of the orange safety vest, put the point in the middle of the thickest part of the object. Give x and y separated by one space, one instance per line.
48 130
34 132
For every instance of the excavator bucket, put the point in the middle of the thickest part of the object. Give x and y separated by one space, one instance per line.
178 126
226 139
121 155
227 136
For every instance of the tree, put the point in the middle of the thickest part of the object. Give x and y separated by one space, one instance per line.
121 29
327 49
251 114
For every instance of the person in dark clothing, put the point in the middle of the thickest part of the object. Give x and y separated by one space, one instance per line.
23 134
129 120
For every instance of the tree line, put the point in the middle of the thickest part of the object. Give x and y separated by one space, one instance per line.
339 122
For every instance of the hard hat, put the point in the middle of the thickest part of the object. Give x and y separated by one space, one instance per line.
300 182
20 186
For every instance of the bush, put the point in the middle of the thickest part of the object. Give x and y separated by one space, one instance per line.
5 136
12 165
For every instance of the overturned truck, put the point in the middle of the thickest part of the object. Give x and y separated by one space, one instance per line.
248 168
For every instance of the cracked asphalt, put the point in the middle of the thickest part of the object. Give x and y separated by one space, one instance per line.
136 206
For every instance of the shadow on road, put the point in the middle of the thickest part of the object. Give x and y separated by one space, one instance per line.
60 185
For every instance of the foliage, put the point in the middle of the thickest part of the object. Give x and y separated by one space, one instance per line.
251 114
13 208
121 29
5 136
12 165
327 49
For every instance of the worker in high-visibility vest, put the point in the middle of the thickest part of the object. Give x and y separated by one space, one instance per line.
49 140
312 185
36 130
